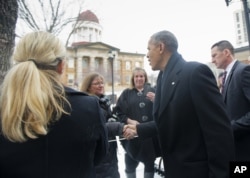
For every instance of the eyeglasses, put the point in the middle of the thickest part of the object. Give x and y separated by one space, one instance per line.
98 83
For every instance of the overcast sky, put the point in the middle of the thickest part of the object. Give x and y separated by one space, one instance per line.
197 24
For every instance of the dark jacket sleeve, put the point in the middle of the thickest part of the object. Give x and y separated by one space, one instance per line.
114 128
121 106
213 113
242 124
147 129
102 142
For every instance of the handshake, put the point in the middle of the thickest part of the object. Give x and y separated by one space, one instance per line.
129 131
134 129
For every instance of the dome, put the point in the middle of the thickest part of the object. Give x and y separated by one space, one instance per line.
88 16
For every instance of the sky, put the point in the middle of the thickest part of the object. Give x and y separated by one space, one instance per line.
197 24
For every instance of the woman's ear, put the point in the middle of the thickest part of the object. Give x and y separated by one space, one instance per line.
60 66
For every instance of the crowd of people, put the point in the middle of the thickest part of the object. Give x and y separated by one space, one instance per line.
195 125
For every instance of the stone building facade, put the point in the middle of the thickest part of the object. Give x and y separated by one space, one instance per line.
243 54
88 53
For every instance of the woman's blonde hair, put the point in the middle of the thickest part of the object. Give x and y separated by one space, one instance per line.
87 81
32 95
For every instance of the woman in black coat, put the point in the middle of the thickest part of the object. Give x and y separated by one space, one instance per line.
93 84
134 107
47 130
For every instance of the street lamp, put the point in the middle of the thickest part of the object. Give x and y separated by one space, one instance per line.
111 57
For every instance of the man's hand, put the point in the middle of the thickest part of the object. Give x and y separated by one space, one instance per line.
129 131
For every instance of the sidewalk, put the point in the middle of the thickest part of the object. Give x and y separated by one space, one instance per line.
139 170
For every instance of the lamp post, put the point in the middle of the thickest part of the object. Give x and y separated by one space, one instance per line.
111 57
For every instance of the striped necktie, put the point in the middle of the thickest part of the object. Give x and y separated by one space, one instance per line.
223 81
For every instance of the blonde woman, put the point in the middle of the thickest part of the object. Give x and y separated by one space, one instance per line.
47 129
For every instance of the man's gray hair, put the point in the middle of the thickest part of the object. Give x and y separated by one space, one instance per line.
167 38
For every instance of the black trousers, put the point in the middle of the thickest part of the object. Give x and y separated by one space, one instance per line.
131 164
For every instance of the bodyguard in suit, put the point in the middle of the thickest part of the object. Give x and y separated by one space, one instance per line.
236 95
194 130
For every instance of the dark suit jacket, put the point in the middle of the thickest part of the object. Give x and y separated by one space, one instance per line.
71 148
194 130
237 99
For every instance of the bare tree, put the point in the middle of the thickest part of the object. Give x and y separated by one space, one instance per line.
8 18
48 15
75 25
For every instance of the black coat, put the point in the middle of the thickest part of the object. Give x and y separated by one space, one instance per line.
72 147
237 98
134 105
194 129
108 167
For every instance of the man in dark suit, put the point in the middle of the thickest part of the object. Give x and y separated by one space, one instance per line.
194 130
236 95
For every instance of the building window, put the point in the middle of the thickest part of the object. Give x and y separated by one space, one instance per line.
137 64
85 63
237 17
117 65
71 63
90 37
118 79
97 63
128 65
127 78
71 79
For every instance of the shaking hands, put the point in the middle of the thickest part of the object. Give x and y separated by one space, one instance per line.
129 131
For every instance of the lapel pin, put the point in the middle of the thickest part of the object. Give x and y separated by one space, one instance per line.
173 83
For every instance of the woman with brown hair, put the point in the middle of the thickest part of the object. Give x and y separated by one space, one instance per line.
93 84
134 106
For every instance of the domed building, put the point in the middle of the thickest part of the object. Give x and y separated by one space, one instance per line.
87 53
88 28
